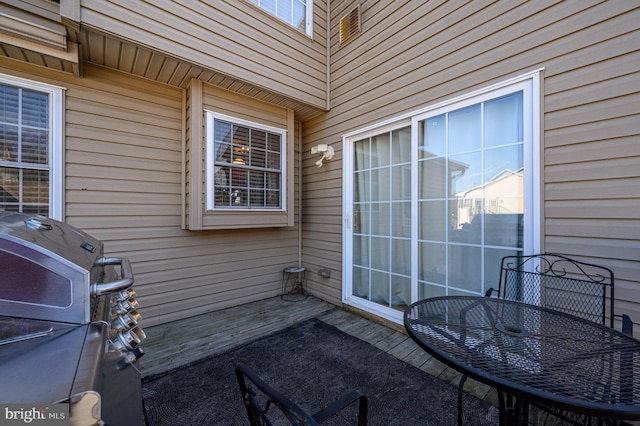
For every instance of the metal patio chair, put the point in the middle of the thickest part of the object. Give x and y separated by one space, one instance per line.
563 284
267 406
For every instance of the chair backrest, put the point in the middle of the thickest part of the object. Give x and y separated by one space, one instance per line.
265 405
558 282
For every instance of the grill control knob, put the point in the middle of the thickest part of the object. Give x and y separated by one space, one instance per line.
124 295
124 306
126 320
130 339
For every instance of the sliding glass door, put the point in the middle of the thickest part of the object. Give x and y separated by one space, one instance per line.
437 199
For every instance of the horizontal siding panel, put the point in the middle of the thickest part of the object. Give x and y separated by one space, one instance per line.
93 171
244 46
594 189
594 112
614 128
122 148
611 209
593 151
595 247
124 163
110 209
612 64
226 279
591 93
184 254
89 184
229 103
593 170
593 228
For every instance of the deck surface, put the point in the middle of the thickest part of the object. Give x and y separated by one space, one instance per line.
177 343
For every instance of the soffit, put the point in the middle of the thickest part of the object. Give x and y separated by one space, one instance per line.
107 51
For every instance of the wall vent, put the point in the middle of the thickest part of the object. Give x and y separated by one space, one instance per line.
350 25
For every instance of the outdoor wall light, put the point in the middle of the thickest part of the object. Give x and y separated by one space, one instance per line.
326 151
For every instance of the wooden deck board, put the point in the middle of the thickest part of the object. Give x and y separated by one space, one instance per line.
182 342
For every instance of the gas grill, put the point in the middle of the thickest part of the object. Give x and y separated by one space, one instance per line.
69 328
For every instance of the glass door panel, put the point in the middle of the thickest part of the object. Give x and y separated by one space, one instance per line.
382 219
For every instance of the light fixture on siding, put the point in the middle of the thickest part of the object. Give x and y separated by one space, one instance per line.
326 151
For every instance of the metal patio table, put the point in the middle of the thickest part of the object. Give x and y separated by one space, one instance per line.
532 354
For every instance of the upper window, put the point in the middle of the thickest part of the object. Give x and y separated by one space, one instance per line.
296 13
30 147
245 163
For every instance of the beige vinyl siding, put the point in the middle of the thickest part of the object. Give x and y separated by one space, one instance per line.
123 163
415 54
231 37
204 97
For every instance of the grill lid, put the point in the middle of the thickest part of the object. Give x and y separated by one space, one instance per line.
44 234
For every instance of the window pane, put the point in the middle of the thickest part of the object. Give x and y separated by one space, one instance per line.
243 158
299 15
362 160
361 250
465 267
380 184
293 12
503 120
400 292
258 158
401 256
284 10
380 287
401 146
9 187
464 129
24 141
9 97
433 220
8 142
433 178
381 219
432 267
433 132
465 172
272 181
35 146
380 150
360 286
401 219
35 109
35 186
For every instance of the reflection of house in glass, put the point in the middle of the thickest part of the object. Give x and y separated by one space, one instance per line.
501 199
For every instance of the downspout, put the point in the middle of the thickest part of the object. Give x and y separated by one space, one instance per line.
299 131
327 58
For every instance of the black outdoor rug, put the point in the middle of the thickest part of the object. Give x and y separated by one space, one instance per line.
313 364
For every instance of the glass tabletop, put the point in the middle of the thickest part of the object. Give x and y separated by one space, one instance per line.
535 353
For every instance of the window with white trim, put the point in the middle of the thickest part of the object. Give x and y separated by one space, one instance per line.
30 147
297 13
245 165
